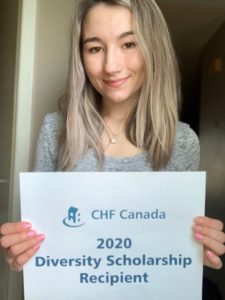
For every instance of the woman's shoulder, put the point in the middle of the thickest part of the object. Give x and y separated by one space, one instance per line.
186 135
186 151
51 124
52 119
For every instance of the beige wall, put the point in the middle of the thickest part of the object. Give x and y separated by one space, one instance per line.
212 133
54 18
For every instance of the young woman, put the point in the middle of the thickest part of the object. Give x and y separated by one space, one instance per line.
120 112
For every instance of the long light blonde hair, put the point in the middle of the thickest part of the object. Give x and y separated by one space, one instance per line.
152 124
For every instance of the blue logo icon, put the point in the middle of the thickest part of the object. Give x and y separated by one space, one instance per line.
74 218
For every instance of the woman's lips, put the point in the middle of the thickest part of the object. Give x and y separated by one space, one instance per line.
116 82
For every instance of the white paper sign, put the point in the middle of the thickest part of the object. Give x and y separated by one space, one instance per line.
114 236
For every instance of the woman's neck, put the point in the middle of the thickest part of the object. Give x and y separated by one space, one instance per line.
114 140
116 112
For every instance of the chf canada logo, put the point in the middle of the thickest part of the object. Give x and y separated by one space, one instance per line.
73 218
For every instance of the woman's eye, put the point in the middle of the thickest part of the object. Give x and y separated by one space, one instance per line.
129 45
95 50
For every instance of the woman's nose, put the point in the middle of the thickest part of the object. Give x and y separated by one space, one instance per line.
113 61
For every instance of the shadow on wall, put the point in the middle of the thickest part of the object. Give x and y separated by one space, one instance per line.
212 134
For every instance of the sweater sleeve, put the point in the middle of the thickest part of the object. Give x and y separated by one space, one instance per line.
46 150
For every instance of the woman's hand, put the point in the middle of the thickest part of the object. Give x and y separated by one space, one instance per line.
19 243
209 233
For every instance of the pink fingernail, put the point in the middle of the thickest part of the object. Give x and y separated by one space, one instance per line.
199 236
26 225
40 237
36 247
210 253
31 233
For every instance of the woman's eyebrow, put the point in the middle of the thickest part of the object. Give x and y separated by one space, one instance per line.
92 39
125 34
97 39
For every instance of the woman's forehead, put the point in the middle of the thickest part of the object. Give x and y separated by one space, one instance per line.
107 20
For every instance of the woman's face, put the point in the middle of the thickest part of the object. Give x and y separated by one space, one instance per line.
112 59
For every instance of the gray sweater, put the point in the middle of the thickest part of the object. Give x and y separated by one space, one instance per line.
185 155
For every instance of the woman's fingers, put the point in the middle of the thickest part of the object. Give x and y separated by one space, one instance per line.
18 263
11 228
12 239
217 247
209 222
19 243
218 236
19 248
212 260
209 233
